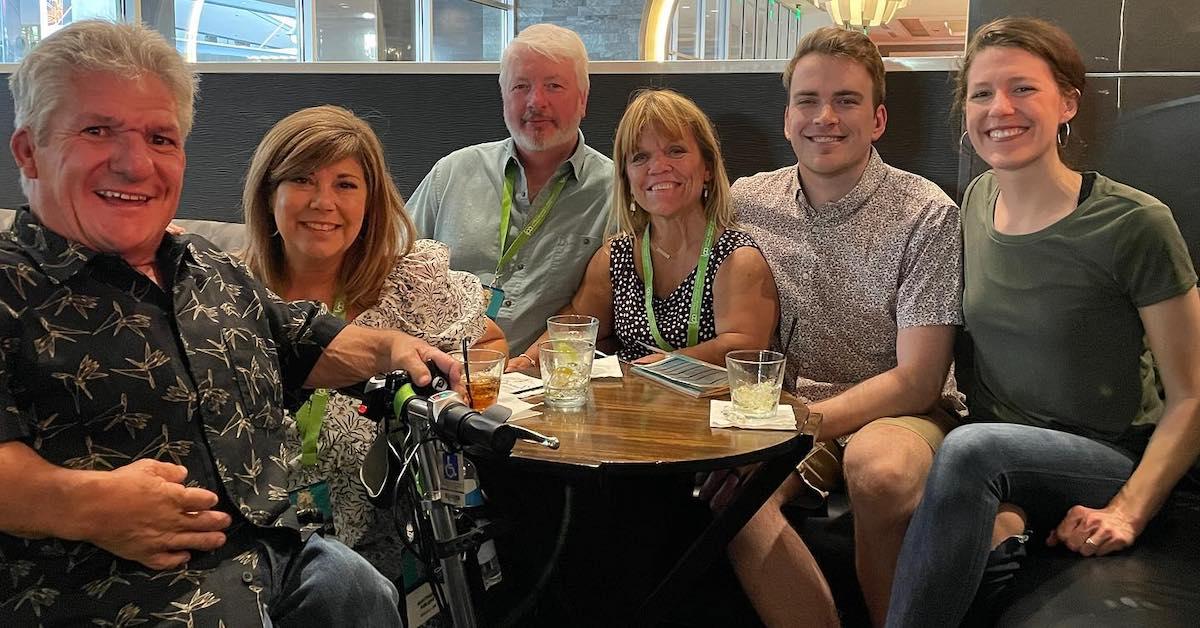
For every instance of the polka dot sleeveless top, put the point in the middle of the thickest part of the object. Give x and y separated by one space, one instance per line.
671 313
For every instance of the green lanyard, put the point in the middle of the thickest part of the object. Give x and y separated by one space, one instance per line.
693 332
310 415
510 179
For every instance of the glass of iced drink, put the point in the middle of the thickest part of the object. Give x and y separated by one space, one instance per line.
572 327
755 378
486 367
566 371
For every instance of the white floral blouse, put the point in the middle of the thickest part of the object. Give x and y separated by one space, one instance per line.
426 299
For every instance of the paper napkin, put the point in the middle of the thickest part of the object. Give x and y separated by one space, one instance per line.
606 367
721 414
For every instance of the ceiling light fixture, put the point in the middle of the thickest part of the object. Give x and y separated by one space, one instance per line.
860 14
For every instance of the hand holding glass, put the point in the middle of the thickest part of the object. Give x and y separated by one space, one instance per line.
486 367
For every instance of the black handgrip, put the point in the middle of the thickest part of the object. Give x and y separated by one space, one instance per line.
473 431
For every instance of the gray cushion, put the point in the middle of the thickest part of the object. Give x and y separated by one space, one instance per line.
230 236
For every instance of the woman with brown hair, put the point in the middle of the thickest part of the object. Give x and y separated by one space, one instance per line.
326 223
1075 288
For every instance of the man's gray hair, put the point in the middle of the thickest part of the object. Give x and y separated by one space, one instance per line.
553 42
43 78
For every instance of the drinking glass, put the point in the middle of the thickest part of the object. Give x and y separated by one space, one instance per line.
566 371
755 378
572 327
486 368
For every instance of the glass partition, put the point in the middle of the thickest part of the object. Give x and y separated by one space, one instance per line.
478 30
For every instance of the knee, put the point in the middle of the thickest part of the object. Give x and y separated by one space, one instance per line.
970 447
883 484
356 579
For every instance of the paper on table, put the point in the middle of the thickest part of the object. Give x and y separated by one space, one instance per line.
519 386
520 409
720 414
606 367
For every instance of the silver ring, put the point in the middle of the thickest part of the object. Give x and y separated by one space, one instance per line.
1089 541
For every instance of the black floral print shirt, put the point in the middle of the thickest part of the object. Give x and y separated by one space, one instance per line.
101 367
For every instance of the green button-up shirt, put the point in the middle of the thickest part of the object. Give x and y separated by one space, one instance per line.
459 203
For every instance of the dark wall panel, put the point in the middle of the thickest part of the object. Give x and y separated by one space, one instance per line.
421 117
1138 123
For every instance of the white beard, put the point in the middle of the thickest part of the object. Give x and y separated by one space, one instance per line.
546 141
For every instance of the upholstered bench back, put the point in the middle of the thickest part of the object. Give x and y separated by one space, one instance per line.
230 236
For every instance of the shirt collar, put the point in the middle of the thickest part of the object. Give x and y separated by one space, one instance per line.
574 163
60 258
872 177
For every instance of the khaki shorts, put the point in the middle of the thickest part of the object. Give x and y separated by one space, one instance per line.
821 469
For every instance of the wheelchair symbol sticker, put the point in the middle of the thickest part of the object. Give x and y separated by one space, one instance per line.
450 466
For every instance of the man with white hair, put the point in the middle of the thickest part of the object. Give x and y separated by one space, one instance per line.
525 214
143 376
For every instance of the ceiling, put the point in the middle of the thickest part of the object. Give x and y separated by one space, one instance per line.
924 28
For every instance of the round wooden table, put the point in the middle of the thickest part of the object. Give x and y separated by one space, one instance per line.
633 427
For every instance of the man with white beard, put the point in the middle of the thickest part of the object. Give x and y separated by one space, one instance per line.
526 213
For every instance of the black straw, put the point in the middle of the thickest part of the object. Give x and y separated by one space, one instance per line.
787 343
467 370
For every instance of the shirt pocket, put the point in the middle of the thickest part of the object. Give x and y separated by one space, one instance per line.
255 372
572 253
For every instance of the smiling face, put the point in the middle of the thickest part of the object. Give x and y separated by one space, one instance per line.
320 215
831 120
543 102
1014 107
109 171
666 176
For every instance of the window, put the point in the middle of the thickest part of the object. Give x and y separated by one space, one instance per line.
465 30
685 30
477 30
24 23
735 29
346 30
228 30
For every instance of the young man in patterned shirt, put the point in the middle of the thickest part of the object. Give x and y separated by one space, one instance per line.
867 262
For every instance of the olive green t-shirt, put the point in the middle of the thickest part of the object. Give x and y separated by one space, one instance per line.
1054 314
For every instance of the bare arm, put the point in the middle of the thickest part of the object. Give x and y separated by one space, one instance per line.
745 304
492 338
593 298
140 511
1173 329
913 386
358 353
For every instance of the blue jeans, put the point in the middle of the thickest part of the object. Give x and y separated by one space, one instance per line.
328 584
978 467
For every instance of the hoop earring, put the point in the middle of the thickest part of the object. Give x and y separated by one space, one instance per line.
962 143
1063 138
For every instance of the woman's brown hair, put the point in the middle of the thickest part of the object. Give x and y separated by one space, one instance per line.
298 145
1035 36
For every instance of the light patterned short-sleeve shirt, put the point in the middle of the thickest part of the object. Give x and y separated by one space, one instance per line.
854 271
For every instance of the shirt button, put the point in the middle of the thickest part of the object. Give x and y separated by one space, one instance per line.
587 240
807 275
247 577
520 267
508 303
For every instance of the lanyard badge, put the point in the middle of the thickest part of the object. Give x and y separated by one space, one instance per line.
495 300
693 328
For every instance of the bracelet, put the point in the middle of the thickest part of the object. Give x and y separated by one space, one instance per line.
528 357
